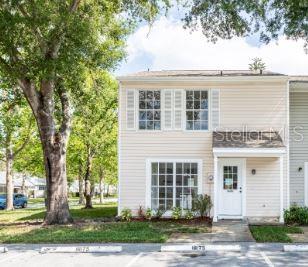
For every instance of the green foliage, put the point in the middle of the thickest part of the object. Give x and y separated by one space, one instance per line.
296 215
148 214
189 215
257 64
159 213
176 213
126 214
270 233
202 204
239 18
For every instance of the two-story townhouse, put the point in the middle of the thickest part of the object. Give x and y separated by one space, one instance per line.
222 133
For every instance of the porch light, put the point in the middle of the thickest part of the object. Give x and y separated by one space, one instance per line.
253 171
300 169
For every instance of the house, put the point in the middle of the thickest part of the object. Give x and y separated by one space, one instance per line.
30 185
221 133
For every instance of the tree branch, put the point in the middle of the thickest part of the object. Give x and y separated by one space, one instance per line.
67 116
26 140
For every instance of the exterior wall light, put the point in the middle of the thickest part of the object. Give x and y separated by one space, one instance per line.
300 169
253 171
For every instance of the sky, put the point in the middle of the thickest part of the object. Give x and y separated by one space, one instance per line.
167 45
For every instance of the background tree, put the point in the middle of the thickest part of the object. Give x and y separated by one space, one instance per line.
94 129
257 65
269 18
16 126
44 48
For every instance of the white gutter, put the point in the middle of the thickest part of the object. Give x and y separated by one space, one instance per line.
202 78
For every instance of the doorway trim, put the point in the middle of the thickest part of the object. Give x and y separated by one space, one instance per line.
242 163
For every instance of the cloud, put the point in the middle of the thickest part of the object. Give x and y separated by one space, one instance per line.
168 46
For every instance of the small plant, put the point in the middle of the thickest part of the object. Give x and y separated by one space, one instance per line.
148 214
189 215
141 212
202 204
159 213
296 215
126 214
176 213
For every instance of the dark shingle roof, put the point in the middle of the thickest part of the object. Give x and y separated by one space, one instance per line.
201 73
247 140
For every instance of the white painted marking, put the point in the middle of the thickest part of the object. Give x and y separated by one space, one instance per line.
3 249
295 248
266 259
82 249
198 247
134 260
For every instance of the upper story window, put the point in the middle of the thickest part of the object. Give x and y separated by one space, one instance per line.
149 110
197 110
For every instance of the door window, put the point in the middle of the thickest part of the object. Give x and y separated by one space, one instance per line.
230 178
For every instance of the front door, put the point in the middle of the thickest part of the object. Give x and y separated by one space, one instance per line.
230 188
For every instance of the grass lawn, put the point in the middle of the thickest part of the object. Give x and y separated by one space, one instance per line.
23 226
274 233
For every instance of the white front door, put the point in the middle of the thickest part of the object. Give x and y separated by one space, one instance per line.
230 188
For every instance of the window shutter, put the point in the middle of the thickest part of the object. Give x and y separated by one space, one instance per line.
167 109
215 112
130 109
178 109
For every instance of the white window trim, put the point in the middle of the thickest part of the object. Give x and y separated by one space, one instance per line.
149 162
209 128
137 110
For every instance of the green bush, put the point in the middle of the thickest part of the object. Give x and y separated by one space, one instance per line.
296 215
202 204
148 214
176 213
159 213
126 214
189 215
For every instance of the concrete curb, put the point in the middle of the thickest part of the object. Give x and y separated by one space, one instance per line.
295 248
3 250
82 249
200 247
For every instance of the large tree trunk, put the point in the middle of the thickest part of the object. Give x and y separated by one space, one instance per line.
101 186
54 144
9 178
81 186
88 190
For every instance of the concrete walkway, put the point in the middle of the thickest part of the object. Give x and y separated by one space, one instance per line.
223 231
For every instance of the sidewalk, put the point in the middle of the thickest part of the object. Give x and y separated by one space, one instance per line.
222 231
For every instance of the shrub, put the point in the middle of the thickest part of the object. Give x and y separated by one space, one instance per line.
202 204
176 213
141 212
189 215
126 214
148 214
159 213
296 215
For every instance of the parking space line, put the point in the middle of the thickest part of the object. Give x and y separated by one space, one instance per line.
266 259
134 260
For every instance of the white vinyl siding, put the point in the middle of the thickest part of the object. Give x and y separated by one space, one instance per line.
298 145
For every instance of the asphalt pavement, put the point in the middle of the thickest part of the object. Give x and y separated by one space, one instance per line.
134 255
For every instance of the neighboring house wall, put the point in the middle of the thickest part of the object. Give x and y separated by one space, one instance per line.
298 145
259 105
